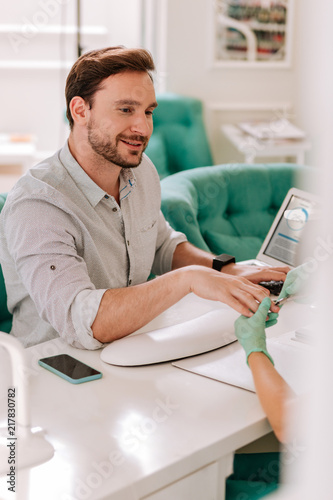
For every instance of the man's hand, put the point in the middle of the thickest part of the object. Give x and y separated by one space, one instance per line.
255 274
239 293
251 331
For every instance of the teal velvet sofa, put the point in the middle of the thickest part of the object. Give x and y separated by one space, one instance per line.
228 208
5 316
179 140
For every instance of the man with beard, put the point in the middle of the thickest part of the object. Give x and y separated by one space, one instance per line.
82 231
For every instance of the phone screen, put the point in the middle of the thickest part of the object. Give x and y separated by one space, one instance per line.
70 368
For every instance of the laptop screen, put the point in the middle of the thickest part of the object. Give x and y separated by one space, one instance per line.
283 243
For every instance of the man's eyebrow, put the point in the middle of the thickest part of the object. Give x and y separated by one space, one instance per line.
132 102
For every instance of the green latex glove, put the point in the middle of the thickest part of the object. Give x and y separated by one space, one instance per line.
251 331
295 282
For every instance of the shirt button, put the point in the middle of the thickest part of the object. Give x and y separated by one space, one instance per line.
114 209
106 196
128 243
130 282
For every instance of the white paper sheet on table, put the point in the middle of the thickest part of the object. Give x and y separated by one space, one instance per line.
228 365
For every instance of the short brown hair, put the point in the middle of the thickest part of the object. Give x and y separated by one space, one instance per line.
87 73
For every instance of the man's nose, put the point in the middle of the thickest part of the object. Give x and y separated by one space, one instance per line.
142 124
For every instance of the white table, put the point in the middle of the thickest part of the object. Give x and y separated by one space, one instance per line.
253 148
151 432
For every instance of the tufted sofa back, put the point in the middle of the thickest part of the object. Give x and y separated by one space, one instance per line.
228 208
5 316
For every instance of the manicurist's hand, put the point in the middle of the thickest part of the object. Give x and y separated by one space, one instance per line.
251 331
239 293
296 281
255 274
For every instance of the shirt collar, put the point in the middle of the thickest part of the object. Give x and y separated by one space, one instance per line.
89 188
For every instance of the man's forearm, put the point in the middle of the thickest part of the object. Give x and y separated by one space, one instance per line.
186 254
124 310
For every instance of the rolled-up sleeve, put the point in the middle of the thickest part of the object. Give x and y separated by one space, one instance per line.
83 312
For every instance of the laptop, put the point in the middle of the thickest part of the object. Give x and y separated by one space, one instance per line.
281 245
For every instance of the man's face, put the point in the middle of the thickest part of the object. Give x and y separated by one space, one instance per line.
120 121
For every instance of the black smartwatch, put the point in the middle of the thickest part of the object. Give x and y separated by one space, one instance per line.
223 260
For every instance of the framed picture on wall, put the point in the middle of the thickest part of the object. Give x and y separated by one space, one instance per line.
252 33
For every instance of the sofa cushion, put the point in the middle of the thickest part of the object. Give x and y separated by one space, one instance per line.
245 247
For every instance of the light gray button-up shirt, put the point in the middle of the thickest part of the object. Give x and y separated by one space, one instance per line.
64 242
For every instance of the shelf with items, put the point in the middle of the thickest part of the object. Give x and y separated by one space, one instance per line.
17 149
270 45
274 11
251 31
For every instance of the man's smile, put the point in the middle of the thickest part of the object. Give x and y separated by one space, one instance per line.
134 144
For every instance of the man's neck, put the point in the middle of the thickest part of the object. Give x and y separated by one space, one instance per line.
104 173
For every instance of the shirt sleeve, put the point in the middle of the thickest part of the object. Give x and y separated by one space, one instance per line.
41 239
83 312
167 241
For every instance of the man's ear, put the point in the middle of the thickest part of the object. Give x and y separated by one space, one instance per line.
79 108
